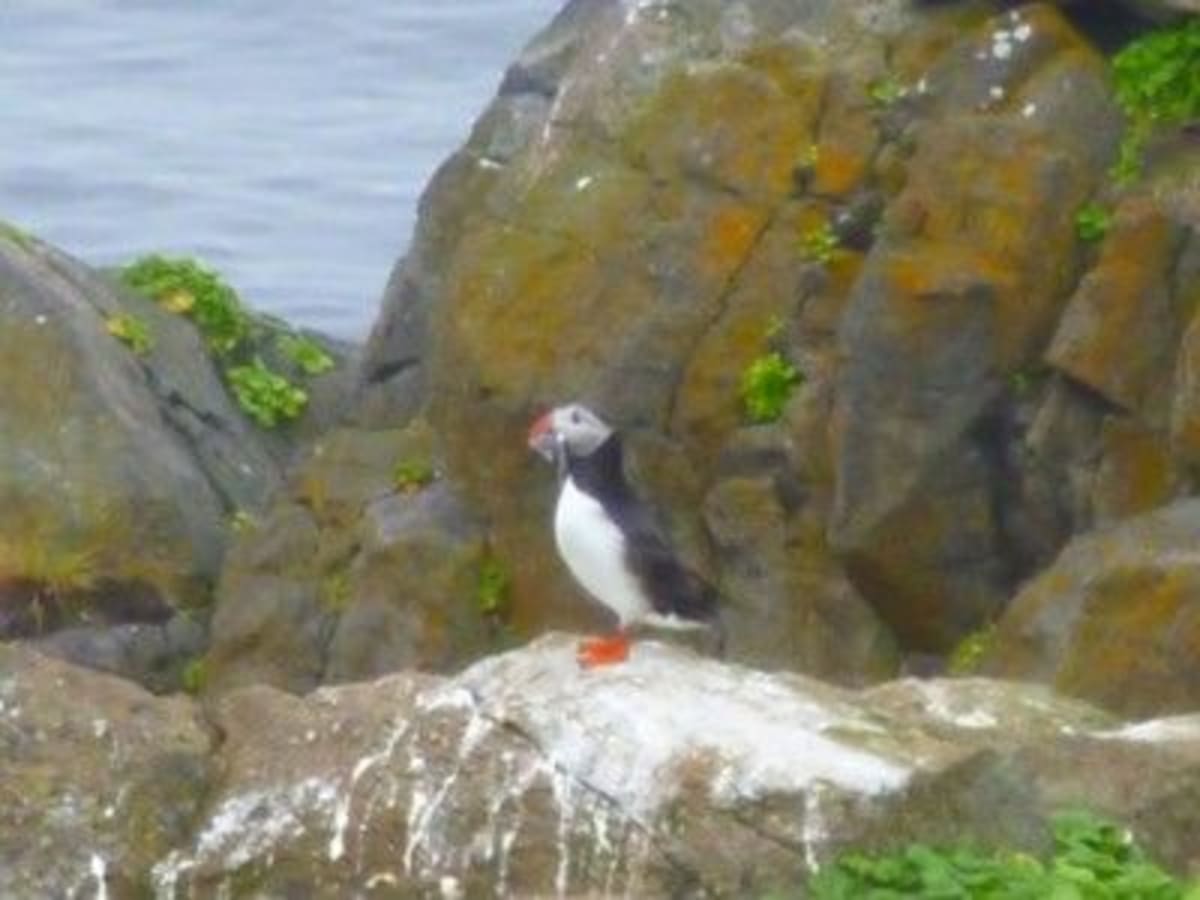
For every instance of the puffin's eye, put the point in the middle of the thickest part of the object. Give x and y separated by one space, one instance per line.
575 417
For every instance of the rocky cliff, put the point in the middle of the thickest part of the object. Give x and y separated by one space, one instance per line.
895 303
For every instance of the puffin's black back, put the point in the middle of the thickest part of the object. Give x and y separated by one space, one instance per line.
673 589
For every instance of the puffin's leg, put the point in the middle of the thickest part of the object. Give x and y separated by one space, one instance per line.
604 651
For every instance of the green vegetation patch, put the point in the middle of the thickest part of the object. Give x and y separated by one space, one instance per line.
1092 860
412 474
131 331
1092 222
969 652
492 587
194 677
335 590
1157 82
185 286
306 353
886 91
819 244
188 288
766 385
266 396
15 235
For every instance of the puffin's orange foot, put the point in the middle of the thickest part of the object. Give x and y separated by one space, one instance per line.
603 651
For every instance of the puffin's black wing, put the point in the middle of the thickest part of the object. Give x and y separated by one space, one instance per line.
673 589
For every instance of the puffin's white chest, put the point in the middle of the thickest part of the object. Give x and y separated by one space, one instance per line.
593 548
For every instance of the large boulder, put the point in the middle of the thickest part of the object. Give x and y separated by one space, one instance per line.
884 193
669 776
119 470
100 781
1115 620
368 562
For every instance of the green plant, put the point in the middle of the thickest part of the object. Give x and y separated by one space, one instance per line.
969 652
242 522
809 157
492 586
305 353
1026 380
15 235
412 474
335 590
766 385
886 91
186 287
1092 860
194 677
131 331
1156 83
1092 222
266 396
819 244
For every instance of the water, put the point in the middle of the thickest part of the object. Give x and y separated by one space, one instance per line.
284 143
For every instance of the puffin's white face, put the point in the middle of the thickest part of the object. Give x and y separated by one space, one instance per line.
573 428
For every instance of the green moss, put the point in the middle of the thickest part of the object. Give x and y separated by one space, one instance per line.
412 474
886 91
1092 860
194 677
15 235
492 587
130 331
819 244
306 353
766 385
266 396
1092 222
185 286
335 590
970 651
1157 82
242 522
1024 382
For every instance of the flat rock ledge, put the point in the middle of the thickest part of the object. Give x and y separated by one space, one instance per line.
670 776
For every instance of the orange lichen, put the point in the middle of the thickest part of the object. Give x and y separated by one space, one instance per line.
840 169
1135 473
729 236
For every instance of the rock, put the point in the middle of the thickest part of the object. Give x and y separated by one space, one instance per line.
352 574
669 776
414 590
118 471
965 287
805 614
101 779
152 655
1115 619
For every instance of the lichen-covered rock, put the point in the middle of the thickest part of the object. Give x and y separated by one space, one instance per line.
101 780
367 563
668 776
886 194
965 288
119 470
1116 619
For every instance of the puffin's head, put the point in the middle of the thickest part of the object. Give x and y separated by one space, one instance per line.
573 428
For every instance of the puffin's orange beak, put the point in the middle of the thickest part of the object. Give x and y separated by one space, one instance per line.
539 429
542 436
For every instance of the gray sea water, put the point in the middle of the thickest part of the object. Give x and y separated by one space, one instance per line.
285 143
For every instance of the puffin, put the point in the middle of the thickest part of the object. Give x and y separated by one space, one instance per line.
610 541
